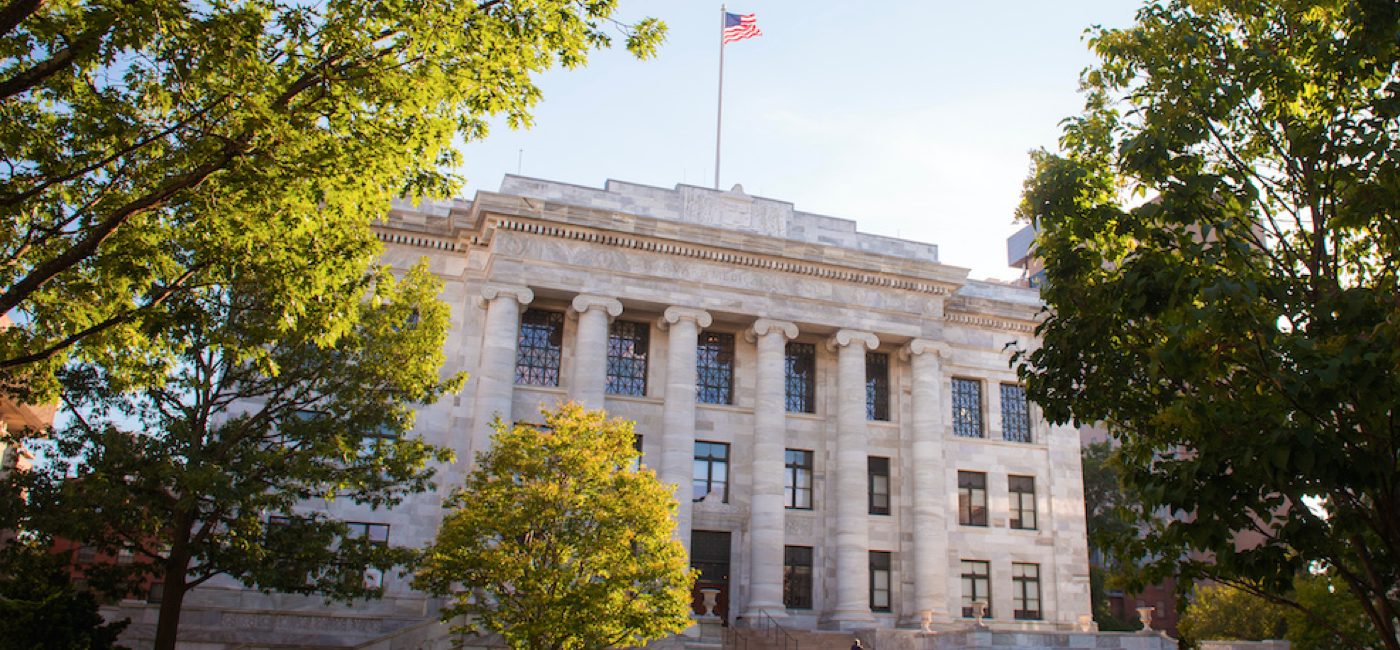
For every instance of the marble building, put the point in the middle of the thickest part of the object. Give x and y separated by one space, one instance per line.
849 445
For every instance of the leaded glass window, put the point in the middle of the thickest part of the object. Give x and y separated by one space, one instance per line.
628 346
539 348
877 386
1015 416
714 368
967 408
801 375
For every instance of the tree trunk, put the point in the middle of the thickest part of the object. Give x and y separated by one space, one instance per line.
177 564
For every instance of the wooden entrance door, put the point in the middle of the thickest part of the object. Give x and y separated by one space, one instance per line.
709 553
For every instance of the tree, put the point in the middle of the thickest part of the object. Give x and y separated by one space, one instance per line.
40 610
1223 613
560 541
1327 598
153 148
1220 238
201 475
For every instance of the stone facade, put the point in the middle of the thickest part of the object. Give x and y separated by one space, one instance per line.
857 421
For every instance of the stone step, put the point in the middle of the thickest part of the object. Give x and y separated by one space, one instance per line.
759 639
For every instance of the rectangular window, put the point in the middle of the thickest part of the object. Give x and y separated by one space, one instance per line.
976 587
878 479
628 343
714 368
711 470
1015 415
972 498
1025 582
797 480
967 408
800 364
86 555
377 534
637 447
797 577
877 386
1022 491
880 581
539 349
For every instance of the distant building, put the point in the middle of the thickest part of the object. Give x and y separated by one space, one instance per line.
850 446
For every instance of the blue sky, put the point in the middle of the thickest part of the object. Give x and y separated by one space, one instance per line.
912 118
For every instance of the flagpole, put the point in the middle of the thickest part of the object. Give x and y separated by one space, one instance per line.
719 112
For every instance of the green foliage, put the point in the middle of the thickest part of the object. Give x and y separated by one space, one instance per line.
1103 612
1327 604
1222 258
1222 613
1108 514
39 609
186 474
154 148
557 541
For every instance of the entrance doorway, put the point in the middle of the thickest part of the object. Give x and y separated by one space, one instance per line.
709 554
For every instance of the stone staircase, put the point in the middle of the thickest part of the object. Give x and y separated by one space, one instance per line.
759 639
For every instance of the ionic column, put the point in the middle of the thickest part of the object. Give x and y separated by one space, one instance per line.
931 499
589 382
678 414
495 374
852 607
766 510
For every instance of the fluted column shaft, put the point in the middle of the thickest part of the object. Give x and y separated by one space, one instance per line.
678 411
766 511
852 606
589 383
495 373
931 499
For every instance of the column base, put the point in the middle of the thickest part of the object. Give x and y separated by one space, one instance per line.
755 611
847 620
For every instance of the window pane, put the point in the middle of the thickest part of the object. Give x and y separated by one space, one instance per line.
539 348
628 344
967 408
877 386
714 367
801 377
1015 416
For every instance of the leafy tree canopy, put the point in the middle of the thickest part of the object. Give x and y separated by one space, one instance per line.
1221 244
40 610
156 147
1223 613
559 541
208 472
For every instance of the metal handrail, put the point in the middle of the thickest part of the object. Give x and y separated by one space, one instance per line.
770 627
730 639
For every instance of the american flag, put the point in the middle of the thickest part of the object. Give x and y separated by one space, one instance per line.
738 28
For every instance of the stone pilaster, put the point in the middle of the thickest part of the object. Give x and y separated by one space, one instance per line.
931 499
495 374
678 412
589 381
851 609
766 509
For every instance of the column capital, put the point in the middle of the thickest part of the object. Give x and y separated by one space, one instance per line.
844 338
490 292
585 302
674 315
917 347
765 326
